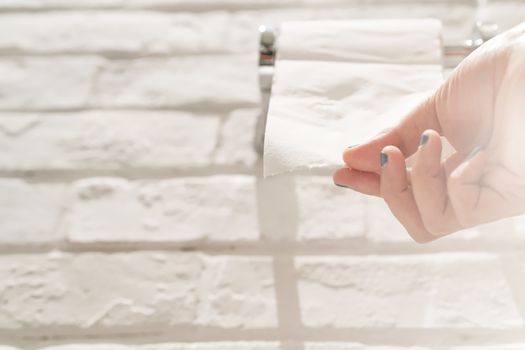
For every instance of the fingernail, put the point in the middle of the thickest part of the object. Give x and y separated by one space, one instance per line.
338 185
423 140
383 159
353 146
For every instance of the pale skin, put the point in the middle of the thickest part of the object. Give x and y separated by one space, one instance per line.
480 111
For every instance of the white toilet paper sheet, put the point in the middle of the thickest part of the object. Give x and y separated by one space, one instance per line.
337 83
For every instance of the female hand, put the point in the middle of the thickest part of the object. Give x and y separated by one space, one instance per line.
480 110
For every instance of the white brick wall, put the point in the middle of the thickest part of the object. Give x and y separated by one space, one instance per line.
213 208
133 215
406 291
224 81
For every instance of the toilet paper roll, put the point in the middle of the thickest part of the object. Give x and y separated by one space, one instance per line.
337 83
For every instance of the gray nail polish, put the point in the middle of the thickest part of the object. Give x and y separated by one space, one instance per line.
340 186
352 146
383 159
473 153
423 140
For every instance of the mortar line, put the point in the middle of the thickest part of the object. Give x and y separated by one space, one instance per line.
276 249
405 337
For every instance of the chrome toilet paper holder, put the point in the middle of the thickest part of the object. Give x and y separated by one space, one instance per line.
453 54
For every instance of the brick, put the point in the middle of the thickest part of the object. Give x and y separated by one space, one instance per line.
46 83
435 291
126 139
107 140
382 226
238 292
327 212
216 209
237 139
203 82
99 293
30 213
130 33
308 209
225 81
